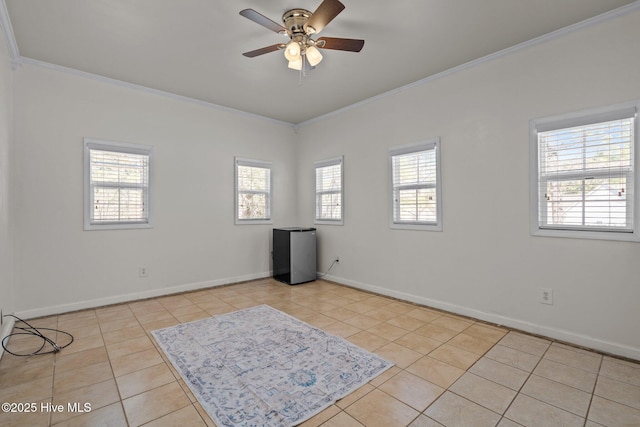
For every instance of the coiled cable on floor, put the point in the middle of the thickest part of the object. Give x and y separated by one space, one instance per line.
32 330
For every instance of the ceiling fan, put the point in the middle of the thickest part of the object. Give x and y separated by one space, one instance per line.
300 25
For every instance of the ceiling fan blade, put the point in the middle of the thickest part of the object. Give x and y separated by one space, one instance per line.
324 14
351 45
262 51
263 20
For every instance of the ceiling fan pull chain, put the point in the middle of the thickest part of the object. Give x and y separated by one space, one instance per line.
302 69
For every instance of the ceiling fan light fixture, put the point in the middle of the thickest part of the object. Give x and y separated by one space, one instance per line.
292 51
300 26
313 55
296 65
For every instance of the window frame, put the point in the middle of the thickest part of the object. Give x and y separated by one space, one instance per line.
575 119
240 161
117 147
322 164
430 144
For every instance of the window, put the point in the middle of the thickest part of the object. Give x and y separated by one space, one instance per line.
329 199
583 175
117 180
416 200
253 192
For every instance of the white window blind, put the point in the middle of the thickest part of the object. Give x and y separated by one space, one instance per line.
117 185
415 176
586 176
329 200
253 191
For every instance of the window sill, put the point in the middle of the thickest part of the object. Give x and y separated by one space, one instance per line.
253 221
420 227
328 222
97 227
584 234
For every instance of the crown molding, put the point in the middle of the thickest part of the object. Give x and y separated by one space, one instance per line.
17 61
148 90
623 10
7 30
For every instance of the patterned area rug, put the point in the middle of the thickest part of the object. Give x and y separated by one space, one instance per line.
262 367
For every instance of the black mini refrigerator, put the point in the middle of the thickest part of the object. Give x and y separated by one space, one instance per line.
294 255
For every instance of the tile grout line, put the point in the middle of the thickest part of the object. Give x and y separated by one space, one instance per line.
120 399
598 375
593 390
592 393
484 355
519 391
166 363
466 370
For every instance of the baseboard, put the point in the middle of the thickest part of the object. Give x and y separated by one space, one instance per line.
553 333
117 299
5 330
581 340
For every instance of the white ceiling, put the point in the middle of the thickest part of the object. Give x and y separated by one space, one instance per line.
194 48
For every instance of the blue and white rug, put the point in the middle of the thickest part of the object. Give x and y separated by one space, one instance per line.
262 367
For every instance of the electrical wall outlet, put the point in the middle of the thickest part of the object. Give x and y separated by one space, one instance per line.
546 296
142 271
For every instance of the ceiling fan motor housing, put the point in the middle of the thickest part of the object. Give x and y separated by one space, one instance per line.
295 19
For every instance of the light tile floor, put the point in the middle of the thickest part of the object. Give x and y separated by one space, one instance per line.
449 370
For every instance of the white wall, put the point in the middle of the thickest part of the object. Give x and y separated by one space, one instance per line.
485 263
194 242
6 126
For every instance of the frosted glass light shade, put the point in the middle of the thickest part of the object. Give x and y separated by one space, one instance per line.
292 51
296 65
313 55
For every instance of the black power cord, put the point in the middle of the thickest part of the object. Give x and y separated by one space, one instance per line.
32 330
